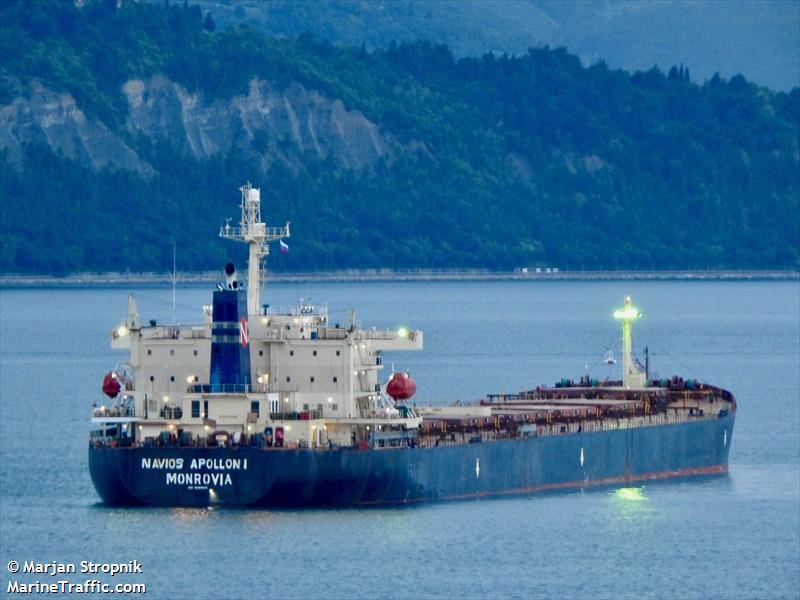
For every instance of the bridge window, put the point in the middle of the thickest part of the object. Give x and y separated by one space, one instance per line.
288 379
314 353
338 353
255 407
312 379
291 352
195 409
335 379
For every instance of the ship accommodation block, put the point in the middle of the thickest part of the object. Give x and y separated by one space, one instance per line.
320 383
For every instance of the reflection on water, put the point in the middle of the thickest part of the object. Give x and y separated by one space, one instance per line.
190 516
630 494
631 505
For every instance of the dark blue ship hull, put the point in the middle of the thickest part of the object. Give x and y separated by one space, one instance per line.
250 476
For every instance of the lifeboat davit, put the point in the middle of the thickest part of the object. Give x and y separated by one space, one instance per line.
111 385
401 386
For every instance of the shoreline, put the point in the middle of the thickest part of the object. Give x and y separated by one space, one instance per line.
388 275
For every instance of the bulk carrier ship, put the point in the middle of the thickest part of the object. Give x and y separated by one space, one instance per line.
258 406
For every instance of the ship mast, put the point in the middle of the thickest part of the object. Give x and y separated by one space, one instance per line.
632 376
257 236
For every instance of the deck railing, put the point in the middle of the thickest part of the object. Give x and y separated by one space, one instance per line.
228 388
114 411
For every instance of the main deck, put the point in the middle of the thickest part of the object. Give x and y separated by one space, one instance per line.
566 409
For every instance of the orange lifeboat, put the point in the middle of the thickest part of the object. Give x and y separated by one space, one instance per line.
401 386
111 385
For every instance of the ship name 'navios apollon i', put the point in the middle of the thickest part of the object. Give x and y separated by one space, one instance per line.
257 406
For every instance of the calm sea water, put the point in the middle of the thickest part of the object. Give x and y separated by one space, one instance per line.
728 537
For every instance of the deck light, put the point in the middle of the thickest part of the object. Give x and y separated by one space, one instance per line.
122 331
402 332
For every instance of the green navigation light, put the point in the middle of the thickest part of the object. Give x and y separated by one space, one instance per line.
629 312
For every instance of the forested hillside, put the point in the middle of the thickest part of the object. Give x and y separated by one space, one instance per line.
122 129
758 38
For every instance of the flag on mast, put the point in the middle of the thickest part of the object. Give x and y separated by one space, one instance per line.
284 247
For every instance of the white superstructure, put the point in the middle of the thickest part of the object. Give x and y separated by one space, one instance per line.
318 382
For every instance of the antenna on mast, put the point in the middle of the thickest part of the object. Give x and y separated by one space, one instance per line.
255 233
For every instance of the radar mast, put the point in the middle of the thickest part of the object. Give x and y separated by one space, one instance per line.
257 236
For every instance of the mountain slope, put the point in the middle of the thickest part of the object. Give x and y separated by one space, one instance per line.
126 128
758 38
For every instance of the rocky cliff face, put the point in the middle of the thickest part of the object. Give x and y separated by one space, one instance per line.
272 123
40 115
